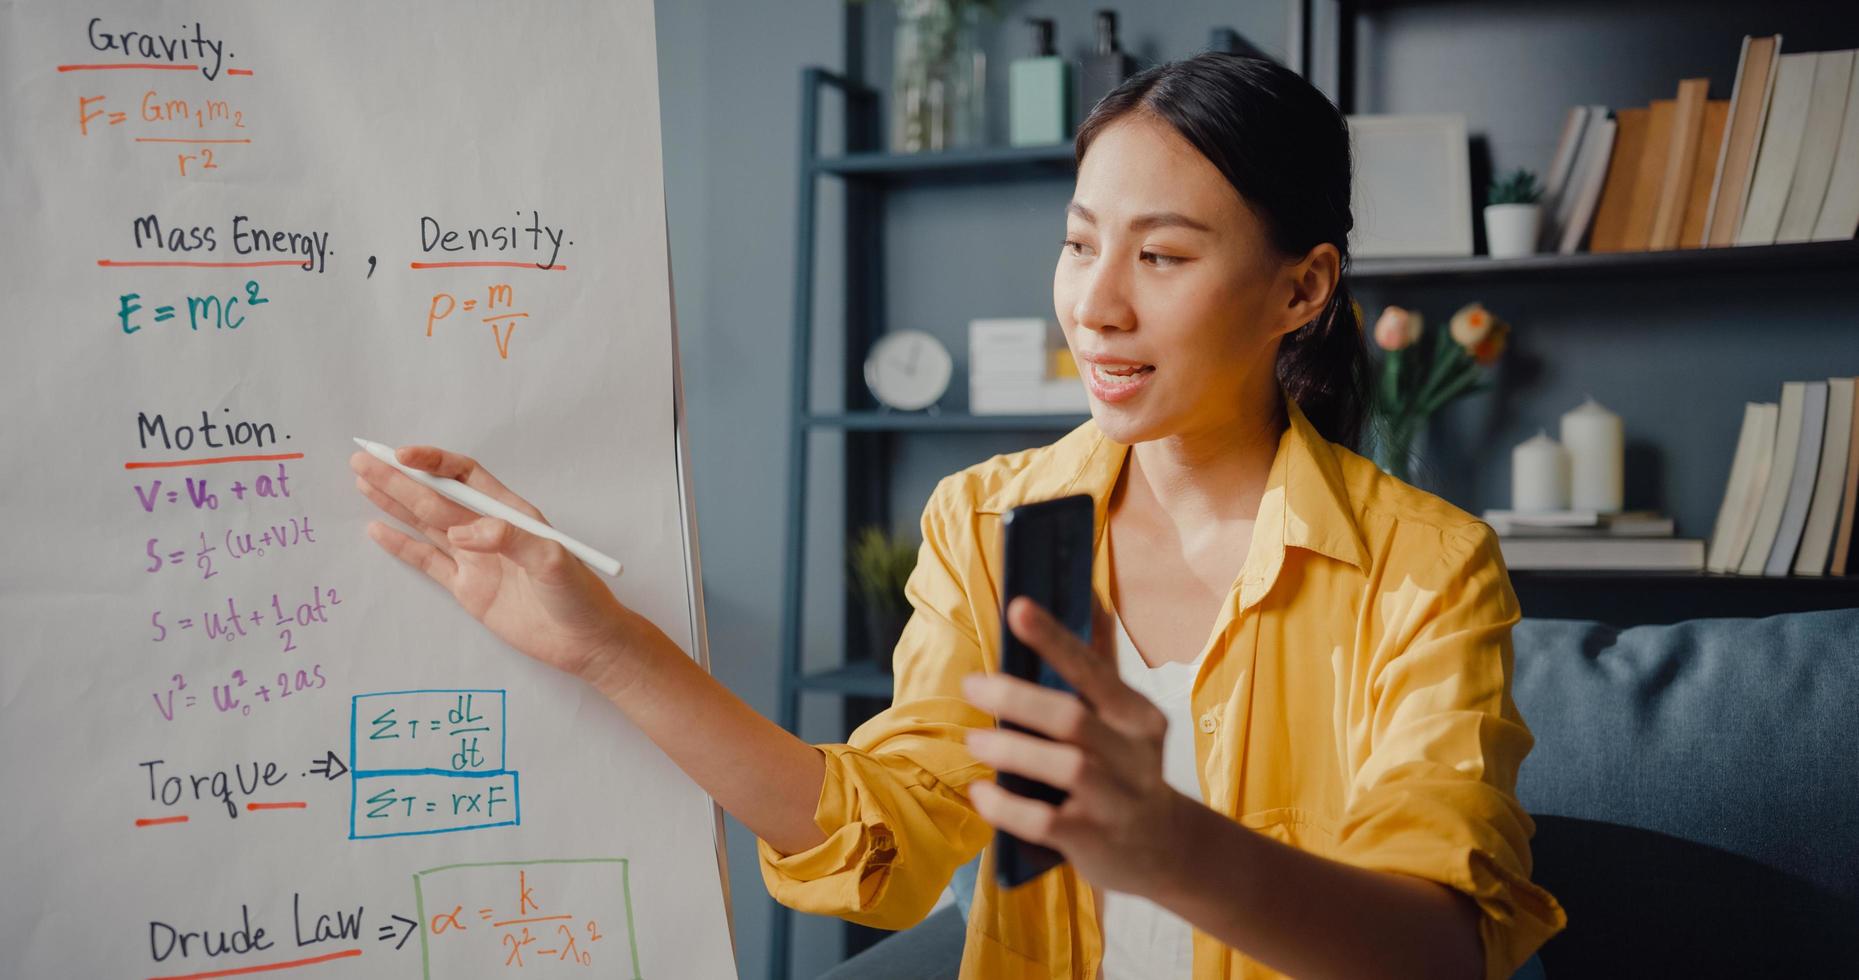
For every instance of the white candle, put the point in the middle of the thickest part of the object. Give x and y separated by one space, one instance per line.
1539 475
1597 457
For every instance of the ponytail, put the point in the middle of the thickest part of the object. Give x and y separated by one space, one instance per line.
1324 366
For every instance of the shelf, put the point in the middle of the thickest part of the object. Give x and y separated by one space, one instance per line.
947 422
981 164
1628 598
860 678
1794 257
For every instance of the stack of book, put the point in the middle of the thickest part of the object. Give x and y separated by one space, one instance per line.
1778 161
1788 506
1021 366
1585 539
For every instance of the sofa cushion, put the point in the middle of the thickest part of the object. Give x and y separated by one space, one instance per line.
1696 792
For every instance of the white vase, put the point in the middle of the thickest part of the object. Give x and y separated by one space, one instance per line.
1510 229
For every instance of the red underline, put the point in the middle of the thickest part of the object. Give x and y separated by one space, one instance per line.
152 821
114 264
484 265
238 71
143 64
172 139
540 918
262 967
275 806
160 464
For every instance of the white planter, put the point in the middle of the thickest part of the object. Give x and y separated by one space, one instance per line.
1510 229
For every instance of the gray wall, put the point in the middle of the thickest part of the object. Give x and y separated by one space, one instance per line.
729 76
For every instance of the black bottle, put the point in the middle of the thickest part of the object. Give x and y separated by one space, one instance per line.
1103 69
1229 41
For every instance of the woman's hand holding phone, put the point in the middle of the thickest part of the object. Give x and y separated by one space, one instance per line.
1122 825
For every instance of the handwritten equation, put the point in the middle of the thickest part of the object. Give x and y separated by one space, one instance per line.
219 312
497 296
429 762
287 616
573 915
237 694
236 544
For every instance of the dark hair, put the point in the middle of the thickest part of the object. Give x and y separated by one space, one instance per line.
1284 147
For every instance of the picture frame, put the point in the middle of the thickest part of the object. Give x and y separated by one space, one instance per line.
1412 190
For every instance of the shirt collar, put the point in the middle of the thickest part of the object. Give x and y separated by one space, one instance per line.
1305 503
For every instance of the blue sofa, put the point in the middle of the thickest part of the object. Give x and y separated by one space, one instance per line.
1696 794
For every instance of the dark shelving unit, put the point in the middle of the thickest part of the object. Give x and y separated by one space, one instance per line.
860 678
981 164
1646 598
942 422
1682 263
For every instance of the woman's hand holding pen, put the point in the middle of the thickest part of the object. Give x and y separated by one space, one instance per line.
1122 826
529 591
540 599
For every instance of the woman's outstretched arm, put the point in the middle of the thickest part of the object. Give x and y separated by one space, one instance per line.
544 602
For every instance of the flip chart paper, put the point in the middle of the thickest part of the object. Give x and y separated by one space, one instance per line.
238 737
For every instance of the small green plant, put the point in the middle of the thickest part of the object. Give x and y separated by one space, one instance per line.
880 566
1518 188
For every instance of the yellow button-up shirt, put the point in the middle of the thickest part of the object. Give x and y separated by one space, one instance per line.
1354 701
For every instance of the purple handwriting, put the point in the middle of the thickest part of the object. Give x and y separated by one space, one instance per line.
234 624
236 544
238 694
198 493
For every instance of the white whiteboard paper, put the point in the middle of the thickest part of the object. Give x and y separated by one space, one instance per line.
224 709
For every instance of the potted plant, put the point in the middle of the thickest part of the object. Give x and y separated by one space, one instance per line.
880 565
1513 213
1420 374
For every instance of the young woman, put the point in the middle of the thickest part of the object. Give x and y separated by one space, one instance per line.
1296 750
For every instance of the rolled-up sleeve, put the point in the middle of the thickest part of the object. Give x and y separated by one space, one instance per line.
1435 796
893 808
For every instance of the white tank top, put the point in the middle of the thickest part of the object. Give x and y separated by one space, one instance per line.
1142 940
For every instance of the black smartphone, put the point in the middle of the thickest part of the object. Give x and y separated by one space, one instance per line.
1046 550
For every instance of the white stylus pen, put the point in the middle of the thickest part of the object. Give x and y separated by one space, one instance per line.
489 506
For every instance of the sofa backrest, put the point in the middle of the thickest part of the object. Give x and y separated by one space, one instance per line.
1696 793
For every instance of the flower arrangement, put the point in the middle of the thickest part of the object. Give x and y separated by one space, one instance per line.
1420 374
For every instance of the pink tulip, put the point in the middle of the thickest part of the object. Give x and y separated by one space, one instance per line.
1397 328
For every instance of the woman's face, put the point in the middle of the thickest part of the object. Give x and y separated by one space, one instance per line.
1171 297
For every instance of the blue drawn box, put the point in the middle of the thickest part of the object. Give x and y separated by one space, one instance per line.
429 762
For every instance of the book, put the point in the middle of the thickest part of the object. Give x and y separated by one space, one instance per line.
1826 107
1742 521
1613 213
1697 209
1681 160
1736 488
1839 212
1801 484
1844 543
1591 166
1779 150
1749 102
1649 176
1824 512
1781 470
1556 181
1614 554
